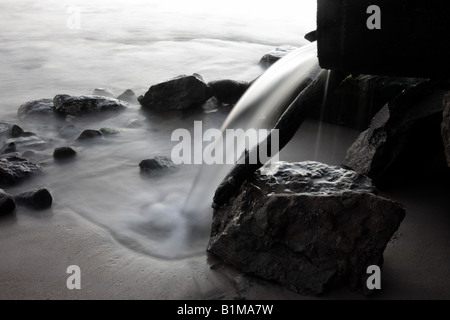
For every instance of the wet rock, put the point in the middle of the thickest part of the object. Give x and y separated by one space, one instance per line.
403 137
36 108
64 153
103 92
180 93
7 204
445 128
276 54
134 123
4 128
37 199
128 96
14 169
8 148
228 91
109 131
17 132
69 132
155 164
28 140
89 134
82 105
308 226
353 101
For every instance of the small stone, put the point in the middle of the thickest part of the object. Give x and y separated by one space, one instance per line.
7 204
156 163
103 92
273 56
16 131
64 153
128 96
69 132
9 147
228 91
37 199
109 131
89 134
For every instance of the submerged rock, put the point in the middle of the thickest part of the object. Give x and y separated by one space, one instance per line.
14 169
446 128
8 148
89 134
103 92
109 131
37 199
82 105
64 153
276 54
228 91
7 204
128 96
17 132
403 137
308 226
156 163
69 132
42 107
182 92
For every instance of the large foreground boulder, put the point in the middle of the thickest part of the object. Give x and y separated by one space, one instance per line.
82 105
307 226
182 92
446 128
404 136
14 169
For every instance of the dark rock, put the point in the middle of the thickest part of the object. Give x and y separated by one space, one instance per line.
403 138
37 199
445 128
89 134
228 91
103 93
352 101
43 107
64 153
82 105
276 54
109 131
17 132
134 123
180 93
69 132
9 148
156 163
128 96
4 128
308 226
7 204
311 36
14 169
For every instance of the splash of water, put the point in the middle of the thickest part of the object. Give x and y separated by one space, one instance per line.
260 108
